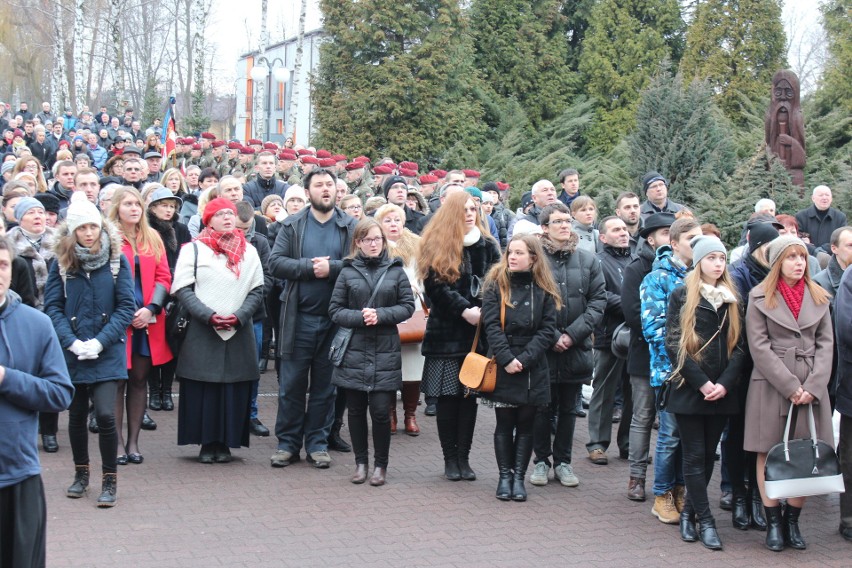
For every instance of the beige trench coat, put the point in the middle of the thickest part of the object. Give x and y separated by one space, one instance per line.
787 354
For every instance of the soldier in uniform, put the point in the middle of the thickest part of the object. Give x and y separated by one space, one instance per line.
195 156
379 174
233 155
246 164
207 139
355 180
220 161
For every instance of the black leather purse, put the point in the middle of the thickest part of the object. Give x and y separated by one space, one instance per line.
340 342
177 315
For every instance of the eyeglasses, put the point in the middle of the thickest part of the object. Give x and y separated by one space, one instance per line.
559 222
353 208
373 241
224 213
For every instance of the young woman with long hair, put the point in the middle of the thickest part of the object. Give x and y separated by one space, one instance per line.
519 308
89 298
174 180
146 335
791 342
371 371
455 255
704 338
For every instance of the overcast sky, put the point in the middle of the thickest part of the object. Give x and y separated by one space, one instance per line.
236 32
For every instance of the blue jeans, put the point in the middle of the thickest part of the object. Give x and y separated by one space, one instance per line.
306 371
258 337
668 460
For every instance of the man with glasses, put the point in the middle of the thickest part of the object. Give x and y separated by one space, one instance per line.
656 190
133 172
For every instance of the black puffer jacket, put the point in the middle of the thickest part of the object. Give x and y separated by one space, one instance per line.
613 262
581 283
448 335
529 332
715 366
373 361
639 357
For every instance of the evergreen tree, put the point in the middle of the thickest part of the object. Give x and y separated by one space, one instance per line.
625 43
577 14
737 45
397 79
682 134
152 104
522 51
834 86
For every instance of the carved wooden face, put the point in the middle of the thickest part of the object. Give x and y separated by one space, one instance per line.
782 91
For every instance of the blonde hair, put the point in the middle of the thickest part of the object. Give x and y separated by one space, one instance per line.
540 271
770 283
406 247
206 197
148 241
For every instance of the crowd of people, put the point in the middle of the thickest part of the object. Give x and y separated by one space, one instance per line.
122 271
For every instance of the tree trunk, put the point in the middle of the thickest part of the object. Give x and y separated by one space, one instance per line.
58 80
259 86
297 69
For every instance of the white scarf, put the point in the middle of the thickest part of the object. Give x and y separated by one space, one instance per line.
472 237
717 295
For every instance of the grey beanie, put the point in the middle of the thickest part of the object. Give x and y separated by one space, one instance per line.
702 245
779 245
24 205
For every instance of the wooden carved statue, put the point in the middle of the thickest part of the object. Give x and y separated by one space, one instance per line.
785 126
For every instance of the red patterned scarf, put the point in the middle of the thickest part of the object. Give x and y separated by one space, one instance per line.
793 295
232 244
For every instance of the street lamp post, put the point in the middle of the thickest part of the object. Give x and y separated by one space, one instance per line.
258 73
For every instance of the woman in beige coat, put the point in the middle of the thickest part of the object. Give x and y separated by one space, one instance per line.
791 342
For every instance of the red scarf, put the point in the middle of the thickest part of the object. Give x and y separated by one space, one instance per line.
232 244
793 295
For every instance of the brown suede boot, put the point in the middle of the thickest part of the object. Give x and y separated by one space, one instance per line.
410 398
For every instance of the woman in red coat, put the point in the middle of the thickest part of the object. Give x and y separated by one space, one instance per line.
146 335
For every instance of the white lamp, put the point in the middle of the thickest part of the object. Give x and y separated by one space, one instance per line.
281 74
259 72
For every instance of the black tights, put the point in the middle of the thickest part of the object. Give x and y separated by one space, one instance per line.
137 399
699 436
379 403
510 420
741 465
103 398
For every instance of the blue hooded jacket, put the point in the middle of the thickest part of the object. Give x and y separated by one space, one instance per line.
666 275
36 380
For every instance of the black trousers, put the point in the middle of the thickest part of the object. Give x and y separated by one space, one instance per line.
23 516
103 397
514 422
844 449
564 397
699 436
379 403
48 423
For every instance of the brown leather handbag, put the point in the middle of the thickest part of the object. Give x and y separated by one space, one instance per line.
413 329
479 373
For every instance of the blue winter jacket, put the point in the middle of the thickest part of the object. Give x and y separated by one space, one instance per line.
36 380
666 275
93 306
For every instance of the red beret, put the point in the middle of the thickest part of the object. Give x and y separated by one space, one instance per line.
323 154
409 166
361 159
234 145
310 160
407 173
208 136
246 150
383 170
439 173
471 173
391 165
254 141
216 205
178 140
502 186
305 152
427 179
218 143
326 163
270 146
196 146
287 154
354 166
189 140
339 158
64 143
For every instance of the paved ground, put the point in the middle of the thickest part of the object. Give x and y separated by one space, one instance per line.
174 512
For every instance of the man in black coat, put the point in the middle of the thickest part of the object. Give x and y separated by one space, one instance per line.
843 331
655 232
308 254
396 192
820 219
610 372
266 183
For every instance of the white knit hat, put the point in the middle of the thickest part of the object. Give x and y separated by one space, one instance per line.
80 212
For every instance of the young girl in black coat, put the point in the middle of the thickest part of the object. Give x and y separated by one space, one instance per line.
704 337
519 308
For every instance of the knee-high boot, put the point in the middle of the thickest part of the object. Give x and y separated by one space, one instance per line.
523 453
155 397
504 451
447 419
410 398
467 424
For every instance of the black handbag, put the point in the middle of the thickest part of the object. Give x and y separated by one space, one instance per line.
340 342
801 468
178 316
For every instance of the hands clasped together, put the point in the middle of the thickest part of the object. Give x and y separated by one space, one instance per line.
86 349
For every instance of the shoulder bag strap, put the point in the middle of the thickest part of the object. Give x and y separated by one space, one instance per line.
376 289
479 326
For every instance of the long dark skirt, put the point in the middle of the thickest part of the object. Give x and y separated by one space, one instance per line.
214 412
23 516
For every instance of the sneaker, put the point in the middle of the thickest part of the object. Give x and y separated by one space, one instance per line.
598 457
283 458
665 510
539 474
565 474
320 460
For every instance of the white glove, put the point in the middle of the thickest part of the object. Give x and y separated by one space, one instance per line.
78 348
92 349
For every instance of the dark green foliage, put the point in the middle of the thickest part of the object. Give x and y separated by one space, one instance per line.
737 45
152 103
834 86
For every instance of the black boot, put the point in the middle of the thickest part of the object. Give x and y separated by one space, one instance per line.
708 535
774 530
467 424
758 521
740 517
81 482
523 453
155 397
687 523
448 434
168 402
108 491
504 451
790 522
335 441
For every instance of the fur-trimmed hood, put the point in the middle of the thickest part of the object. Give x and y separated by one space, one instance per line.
115 239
